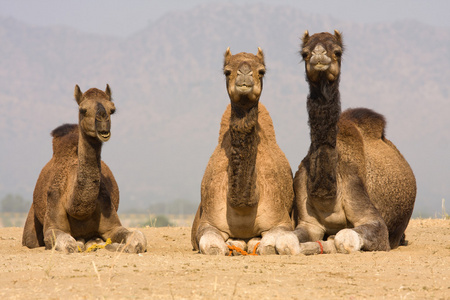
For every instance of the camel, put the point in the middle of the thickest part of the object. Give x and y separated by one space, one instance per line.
353 186
246 191
76 196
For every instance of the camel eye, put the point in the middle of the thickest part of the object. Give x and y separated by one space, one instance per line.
304 54
227 72
112 111
83 111
262 72
338 53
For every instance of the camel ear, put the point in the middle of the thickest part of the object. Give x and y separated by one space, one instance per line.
305 37
338 36
78 94
227 56
260 55
108 92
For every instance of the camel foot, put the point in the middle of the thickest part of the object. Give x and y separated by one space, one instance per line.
267 245
114 247
279 241
239 244
252 244
287 244
213 244
136 243
93 242
319 247
64 243
81 245
348 241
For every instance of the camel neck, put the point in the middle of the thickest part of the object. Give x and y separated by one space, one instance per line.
324 109
87 185
242 160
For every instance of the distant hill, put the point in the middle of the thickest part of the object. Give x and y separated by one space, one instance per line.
170 94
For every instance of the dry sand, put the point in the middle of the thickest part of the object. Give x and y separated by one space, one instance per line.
171 270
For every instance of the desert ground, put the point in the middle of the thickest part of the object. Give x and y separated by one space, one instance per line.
171 270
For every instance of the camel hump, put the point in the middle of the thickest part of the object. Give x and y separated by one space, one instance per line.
63 130
65 140
371 123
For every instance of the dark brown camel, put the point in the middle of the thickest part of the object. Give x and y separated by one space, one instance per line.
76 196
353 185
246 191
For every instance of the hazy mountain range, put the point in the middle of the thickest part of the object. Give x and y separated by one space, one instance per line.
170 94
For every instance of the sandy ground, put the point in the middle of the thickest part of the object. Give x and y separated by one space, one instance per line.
171 270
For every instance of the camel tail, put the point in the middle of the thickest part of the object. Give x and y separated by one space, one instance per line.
371 123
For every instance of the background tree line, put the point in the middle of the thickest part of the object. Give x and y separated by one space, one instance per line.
14 203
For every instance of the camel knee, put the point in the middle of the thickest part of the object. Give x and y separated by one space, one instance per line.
29 240
33 235
397 239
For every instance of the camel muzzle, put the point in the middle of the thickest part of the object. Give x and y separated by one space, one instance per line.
319 59
103 130
244 79
102 124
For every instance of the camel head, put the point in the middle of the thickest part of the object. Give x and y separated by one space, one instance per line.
322 54
244 74
95 109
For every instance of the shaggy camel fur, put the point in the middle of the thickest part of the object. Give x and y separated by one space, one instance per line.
246 191
353 183
76 196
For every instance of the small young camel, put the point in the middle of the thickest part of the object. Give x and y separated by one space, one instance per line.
76 196
246 191
353 185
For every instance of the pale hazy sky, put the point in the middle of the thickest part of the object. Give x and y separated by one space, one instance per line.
122 18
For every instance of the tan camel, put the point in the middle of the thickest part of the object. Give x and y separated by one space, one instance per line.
353 183
246 191
76 196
